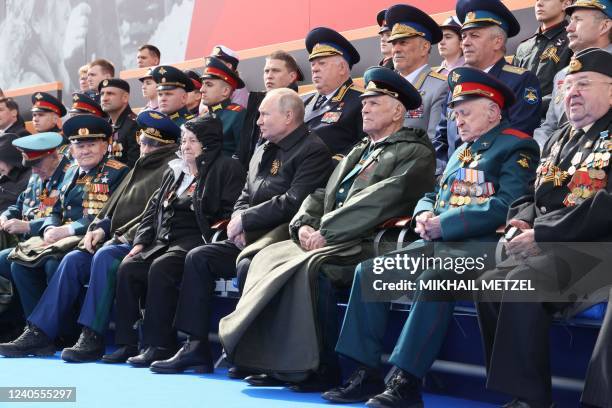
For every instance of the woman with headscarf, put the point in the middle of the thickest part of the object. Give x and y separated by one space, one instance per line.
197 190
13 175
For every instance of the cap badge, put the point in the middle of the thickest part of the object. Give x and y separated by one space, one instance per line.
470 16
457 91
83 132
39 96
455 77
574 66
75 97
162 71
105 82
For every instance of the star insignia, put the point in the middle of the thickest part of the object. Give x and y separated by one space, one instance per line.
39 96
75 97
162 71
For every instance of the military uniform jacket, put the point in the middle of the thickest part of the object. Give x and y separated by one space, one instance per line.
555 115
473 196
338 121
126 206
524 115
279 178
545 54
82 197
124 145
37 200
572 207
182 223
181 116
433 89
373 183
232 116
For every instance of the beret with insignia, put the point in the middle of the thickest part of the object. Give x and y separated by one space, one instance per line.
114 83
591 60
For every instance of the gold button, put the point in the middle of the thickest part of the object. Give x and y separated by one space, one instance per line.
442 203
341 190
445 187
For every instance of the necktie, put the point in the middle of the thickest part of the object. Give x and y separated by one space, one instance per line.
320 101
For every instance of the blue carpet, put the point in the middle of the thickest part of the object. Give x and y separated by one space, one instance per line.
105 385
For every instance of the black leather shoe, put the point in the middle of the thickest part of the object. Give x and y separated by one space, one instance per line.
150 355
237 373
402 391
263 380
121 354
194 355
364 384
32 342
519 403
89 347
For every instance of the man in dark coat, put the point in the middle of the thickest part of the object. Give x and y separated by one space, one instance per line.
13 176
10 120
197 191
115 101
571 203
282 172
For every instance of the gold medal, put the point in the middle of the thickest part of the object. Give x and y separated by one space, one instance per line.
460 200
467 200
453 200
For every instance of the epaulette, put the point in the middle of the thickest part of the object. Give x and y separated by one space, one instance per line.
114 164
437 69
515 132
215 108
437 75
357 88
341 92
174 115
189 116
513 69
337 157
234 107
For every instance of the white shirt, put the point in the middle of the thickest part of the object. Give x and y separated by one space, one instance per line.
179 166
412 77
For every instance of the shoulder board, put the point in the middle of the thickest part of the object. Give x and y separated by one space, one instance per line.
437 69
234 107
189 116
357 88
174 115
114 164
516 133
337 157
437 75
513 69
341 92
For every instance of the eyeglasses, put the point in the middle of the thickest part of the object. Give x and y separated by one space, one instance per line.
581 84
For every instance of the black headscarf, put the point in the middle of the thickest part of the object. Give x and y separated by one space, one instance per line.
209 131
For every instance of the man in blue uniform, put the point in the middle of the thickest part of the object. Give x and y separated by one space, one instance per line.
333 111
87 185
486 26
494 166
173 85
218 84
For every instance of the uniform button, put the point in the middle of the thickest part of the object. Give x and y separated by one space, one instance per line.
341 190
444 187
543 210
340 204
69 208
442 203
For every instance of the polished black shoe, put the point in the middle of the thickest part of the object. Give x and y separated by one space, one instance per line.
121 354
32 342
520 403
402 391
364 384
237 373
263 380
194 355
150 355
89 347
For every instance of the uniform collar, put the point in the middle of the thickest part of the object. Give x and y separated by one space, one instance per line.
338 95
219 106
411 77
495 70
553 31
485 141
181 112
126 112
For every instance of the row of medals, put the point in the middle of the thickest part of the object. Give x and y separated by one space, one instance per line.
96 196
465 192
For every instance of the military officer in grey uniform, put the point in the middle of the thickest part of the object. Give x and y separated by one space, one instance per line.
413 33
585 17
333 111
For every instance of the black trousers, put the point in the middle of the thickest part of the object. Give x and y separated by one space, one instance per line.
598 382
515 338
203 266
155 279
